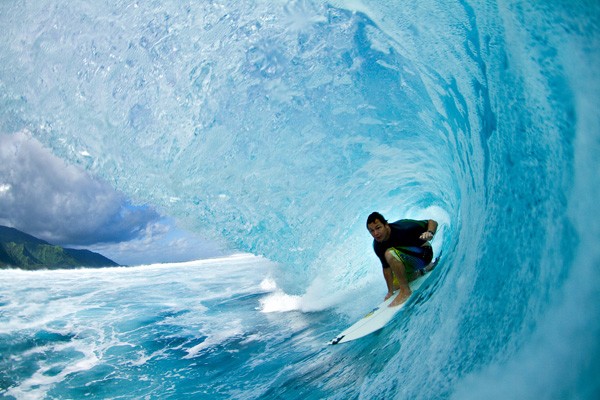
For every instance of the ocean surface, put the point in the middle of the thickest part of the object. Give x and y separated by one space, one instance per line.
278 126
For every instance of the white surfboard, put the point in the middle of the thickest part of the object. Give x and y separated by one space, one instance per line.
379 316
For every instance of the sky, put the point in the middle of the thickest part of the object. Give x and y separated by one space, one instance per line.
40 194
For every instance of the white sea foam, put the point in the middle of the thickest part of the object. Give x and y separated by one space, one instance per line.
218 336
279 301
36 386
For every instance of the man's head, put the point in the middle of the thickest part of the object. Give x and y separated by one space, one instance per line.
378 227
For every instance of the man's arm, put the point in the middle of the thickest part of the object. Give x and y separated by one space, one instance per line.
431 229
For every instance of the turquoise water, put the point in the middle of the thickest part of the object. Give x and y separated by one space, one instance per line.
278 127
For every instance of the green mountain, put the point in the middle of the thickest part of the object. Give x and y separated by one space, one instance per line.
20 250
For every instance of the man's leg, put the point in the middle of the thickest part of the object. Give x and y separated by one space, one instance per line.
389 281
400 272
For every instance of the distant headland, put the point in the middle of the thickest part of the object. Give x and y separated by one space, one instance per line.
21 250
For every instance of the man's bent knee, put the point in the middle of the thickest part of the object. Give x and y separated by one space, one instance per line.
392 257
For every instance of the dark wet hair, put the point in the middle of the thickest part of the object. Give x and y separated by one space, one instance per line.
376 216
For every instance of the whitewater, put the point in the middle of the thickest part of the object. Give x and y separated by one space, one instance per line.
277 127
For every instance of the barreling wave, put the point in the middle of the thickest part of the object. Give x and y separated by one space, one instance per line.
280 127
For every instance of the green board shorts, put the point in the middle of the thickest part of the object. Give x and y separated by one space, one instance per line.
415 259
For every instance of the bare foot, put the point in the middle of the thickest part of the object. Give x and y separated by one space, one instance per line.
429 267
432 265
401 298
387 296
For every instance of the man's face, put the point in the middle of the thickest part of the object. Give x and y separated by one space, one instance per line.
379 230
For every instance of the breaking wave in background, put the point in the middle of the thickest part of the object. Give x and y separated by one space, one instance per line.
279 126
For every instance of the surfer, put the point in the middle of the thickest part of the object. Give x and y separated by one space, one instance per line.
404 250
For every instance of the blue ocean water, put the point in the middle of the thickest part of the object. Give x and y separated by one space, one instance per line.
279 126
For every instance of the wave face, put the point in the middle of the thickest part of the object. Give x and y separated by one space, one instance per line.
280 127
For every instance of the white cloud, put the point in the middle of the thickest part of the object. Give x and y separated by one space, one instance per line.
45 197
